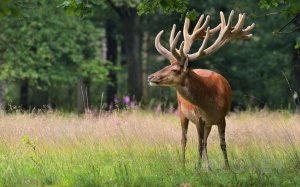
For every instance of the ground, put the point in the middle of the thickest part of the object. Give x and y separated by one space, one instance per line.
138 148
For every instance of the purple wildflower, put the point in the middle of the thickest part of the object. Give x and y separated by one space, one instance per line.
158 109
126 100
132 105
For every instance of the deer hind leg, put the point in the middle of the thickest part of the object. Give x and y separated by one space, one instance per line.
203 132
200 131
221 129
184 125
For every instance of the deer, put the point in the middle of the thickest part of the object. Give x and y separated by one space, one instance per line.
204 96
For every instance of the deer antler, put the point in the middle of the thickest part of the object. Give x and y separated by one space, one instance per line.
226 34
203 32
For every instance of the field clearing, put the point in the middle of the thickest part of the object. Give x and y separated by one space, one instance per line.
137 148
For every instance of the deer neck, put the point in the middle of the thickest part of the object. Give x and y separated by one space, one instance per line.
195 89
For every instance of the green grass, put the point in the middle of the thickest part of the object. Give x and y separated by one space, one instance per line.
143 149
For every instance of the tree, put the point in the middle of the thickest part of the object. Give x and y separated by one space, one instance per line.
44 42
131 34
291 10
46 50
111 55
127 13
8 8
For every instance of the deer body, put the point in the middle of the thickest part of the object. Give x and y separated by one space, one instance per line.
204 97
204 93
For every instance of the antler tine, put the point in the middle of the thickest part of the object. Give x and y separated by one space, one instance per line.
238 30
198 23
163 51
172 34
249 28
200 32
238 27
173 44
181 48
230 18
182 54
246 31
187 38
223 22
196 55
186 28
216 29
205 23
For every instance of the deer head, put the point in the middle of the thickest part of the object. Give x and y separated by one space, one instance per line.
174 74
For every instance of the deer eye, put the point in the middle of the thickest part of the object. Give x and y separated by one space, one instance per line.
175 70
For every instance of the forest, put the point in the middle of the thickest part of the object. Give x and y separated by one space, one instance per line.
78 55
77 107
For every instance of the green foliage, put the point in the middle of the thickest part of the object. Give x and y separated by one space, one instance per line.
286 7
182 6
83 8
48 48
78 7
8 8
297 45
167 7
51 49
268 3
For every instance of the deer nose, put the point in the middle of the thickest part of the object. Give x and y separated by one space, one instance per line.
150 77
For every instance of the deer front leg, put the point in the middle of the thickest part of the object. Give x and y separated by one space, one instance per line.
184 125
207 130
221 129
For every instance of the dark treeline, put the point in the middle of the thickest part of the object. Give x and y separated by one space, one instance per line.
58 58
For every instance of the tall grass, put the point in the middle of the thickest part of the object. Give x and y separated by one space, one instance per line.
143 149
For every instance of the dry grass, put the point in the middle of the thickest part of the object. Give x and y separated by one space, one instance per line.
144 149
53 128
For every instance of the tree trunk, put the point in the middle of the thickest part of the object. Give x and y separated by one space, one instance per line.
24 92
145 63
111 55
2 94
296 65
131 34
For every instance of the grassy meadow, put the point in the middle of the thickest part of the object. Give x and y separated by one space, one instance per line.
138 148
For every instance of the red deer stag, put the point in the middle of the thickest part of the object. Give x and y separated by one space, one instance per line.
204 97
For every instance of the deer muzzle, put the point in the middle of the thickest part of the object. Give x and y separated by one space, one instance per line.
152 81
